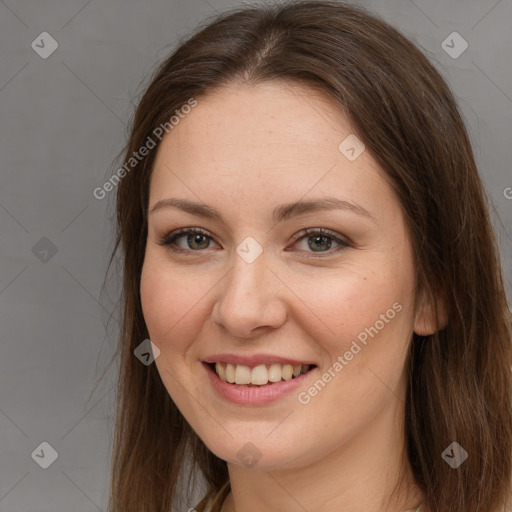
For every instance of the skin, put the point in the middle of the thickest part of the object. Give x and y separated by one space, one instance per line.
243 151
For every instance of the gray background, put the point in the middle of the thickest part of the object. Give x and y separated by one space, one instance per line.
62 122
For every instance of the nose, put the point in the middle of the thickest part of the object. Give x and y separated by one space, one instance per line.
250 299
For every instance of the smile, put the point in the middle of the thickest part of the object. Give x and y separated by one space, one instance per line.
260 375
243 391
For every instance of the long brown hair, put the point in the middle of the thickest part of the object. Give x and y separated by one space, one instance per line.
460 380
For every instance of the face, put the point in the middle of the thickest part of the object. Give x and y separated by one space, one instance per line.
251 286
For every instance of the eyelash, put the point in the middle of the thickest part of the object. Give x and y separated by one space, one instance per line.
168 239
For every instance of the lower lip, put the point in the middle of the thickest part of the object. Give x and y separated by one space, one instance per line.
254 395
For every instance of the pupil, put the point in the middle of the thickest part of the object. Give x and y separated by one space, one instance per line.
196 239
317 238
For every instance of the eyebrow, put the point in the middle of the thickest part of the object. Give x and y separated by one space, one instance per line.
281 213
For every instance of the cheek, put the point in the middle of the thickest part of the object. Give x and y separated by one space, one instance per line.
363 315
172 303
152 299
342 305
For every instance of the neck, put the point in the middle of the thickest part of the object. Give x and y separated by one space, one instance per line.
359 476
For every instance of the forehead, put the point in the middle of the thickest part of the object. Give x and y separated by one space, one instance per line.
271 113
276 141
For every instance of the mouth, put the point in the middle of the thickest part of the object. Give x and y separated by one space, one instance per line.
260 375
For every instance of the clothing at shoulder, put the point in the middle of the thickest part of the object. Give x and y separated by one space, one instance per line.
213 503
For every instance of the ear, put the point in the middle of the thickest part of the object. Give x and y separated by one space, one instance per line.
425 320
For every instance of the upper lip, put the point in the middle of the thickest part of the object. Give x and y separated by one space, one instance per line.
254 360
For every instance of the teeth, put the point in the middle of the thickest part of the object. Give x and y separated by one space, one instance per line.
259 375
221 371
242 374
230 373
274 372
287 371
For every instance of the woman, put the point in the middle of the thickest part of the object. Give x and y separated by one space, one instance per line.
307 245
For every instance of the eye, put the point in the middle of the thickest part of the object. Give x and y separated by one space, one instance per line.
319 241
194 239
